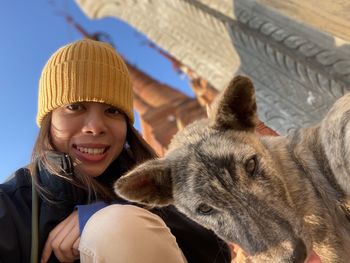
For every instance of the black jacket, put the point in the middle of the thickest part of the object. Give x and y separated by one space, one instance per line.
197 243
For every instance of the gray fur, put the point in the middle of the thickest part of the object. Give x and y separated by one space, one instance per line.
276 197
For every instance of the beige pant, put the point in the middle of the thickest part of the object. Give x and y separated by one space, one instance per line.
128 234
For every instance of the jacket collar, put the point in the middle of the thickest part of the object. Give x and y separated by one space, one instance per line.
58 188
61 189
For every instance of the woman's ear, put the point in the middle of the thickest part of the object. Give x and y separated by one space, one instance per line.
235 107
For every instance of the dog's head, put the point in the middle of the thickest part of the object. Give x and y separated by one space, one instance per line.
218 173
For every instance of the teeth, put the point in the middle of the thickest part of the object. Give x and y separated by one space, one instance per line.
93 151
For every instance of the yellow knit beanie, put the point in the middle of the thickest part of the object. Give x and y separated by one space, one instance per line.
85 70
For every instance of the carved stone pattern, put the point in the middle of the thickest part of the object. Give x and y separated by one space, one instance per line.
328 62
285 66
277 113
225 7
205 42
303 69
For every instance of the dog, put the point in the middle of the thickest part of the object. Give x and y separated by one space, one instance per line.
280 198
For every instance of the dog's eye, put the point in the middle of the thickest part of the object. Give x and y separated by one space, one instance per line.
251 165
204 209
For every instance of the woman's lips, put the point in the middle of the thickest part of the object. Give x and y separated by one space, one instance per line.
90 153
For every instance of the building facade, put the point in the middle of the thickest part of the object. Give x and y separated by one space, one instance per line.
296 52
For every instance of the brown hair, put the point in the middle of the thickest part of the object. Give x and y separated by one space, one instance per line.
139 151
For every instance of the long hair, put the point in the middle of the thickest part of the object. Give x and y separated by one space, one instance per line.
138 151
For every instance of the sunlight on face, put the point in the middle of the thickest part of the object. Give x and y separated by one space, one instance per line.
92 134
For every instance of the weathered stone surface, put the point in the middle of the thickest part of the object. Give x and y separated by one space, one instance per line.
296 52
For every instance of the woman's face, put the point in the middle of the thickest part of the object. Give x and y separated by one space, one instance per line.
92 134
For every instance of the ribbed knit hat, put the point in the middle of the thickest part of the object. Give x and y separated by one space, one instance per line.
85 70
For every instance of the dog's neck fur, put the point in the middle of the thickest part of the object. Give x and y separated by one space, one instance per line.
317 197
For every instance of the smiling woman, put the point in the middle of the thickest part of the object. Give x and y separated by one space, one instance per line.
93 134
62 207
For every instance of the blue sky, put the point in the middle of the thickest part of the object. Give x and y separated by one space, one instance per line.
30 32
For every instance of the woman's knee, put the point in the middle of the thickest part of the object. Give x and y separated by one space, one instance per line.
122 230
118 219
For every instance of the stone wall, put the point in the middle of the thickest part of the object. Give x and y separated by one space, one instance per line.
298 68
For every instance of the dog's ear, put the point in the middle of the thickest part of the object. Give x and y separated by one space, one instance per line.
235 107
149 183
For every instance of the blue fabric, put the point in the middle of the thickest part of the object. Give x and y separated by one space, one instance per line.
86 211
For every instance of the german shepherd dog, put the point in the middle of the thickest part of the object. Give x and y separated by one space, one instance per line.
281 199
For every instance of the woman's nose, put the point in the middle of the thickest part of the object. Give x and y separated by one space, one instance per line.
94 124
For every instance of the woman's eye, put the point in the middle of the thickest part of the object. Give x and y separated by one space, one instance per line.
251 165
113 111
74 107
205 209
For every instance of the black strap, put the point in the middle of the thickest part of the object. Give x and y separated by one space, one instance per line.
35 223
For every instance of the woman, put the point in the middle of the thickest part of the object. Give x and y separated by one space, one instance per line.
86 141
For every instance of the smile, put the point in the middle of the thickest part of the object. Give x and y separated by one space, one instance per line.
91 150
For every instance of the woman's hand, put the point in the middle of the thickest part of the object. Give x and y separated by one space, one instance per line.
63 240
